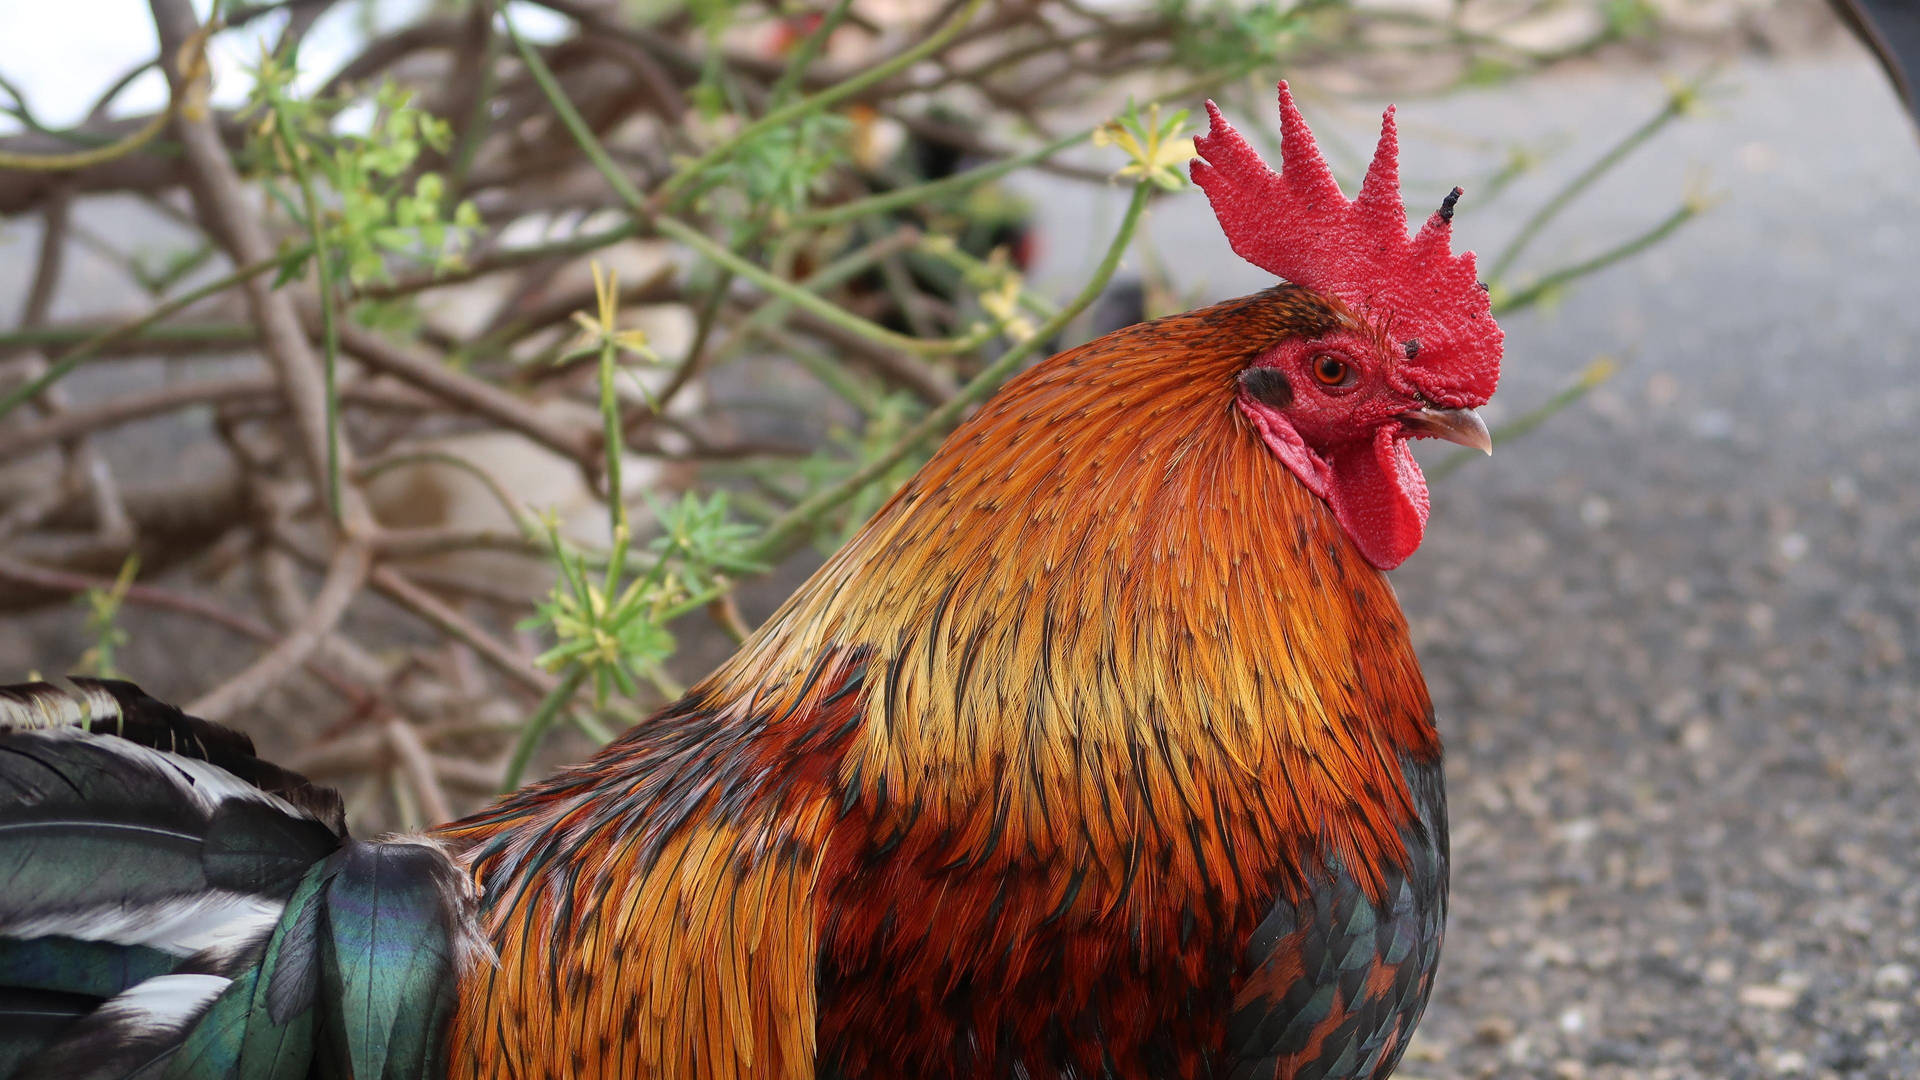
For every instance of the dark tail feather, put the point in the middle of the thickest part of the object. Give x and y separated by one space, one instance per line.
173 906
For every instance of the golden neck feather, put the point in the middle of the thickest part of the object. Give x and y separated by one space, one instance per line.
1106 558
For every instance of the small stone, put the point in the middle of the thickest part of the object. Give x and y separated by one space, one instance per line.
1494 1030
1578 831
1713 424
1427 1049
1573 1021
1697 736
1887 1012
1662 390
1892 977
1758 157
1794 547
1771 997
1569 1069
1613 1052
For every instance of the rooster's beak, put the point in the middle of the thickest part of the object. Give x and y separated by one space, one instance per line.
1462 426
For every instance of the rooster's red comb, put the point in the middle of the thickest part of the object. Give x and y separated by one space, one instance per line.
1297 224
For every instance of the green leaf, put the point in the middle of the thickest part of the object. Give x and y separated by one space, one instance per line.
292 268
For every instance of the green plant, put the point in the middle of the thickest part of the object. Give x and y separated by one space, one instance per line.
103 612
362 197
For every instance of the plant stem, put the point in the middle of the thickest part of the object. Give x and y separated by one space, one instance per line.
196 336
543 718
669 192
980 174
1538 290
368 470
329 317
831 374
810 301
837 272
612 434
782 533
1595 373
468 148
960 181
85 350
803 56
1677 103
725 258
570 118
952 255
500 259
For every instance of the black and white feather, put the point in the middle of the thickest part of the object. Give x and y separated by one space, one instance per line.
161 887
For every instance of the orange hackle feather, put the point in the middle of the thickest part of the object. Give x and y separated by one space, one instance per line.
1099 683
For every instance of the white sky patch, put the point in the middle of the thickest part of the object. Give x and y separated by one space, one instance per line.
63 56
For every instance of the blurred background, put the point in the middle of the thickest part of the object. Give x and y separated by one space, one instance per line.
430 389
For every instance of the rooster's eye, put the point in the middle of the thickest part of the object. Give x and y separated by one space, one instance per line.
1330 370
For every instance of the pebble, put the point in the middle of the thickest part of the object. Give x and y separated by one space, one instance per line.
1494 1030
1769 997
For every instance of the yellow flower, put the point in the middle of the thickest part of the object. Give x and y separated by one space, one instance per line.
597 333
1003 303
1159 152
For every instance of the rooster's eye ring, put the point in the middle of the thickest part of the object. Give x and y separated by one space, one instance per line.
1330 370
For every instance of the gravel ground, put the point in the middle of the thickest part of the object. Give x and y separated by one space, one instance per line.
1673 635
1674 641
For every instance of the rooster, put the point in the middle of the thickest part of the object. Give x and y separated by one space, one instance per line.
1101 751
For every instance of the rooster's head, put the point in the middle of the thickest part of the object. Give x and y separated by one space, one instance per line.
1396 338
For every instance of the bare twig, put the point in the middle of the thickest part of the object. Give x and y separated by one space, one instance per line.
345 574
20 441
222 203
396 587
420 772
784 533
84 463
468 393
153 596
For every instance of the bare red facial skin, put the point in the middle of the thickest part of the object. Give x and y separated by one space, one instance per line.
1344 438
